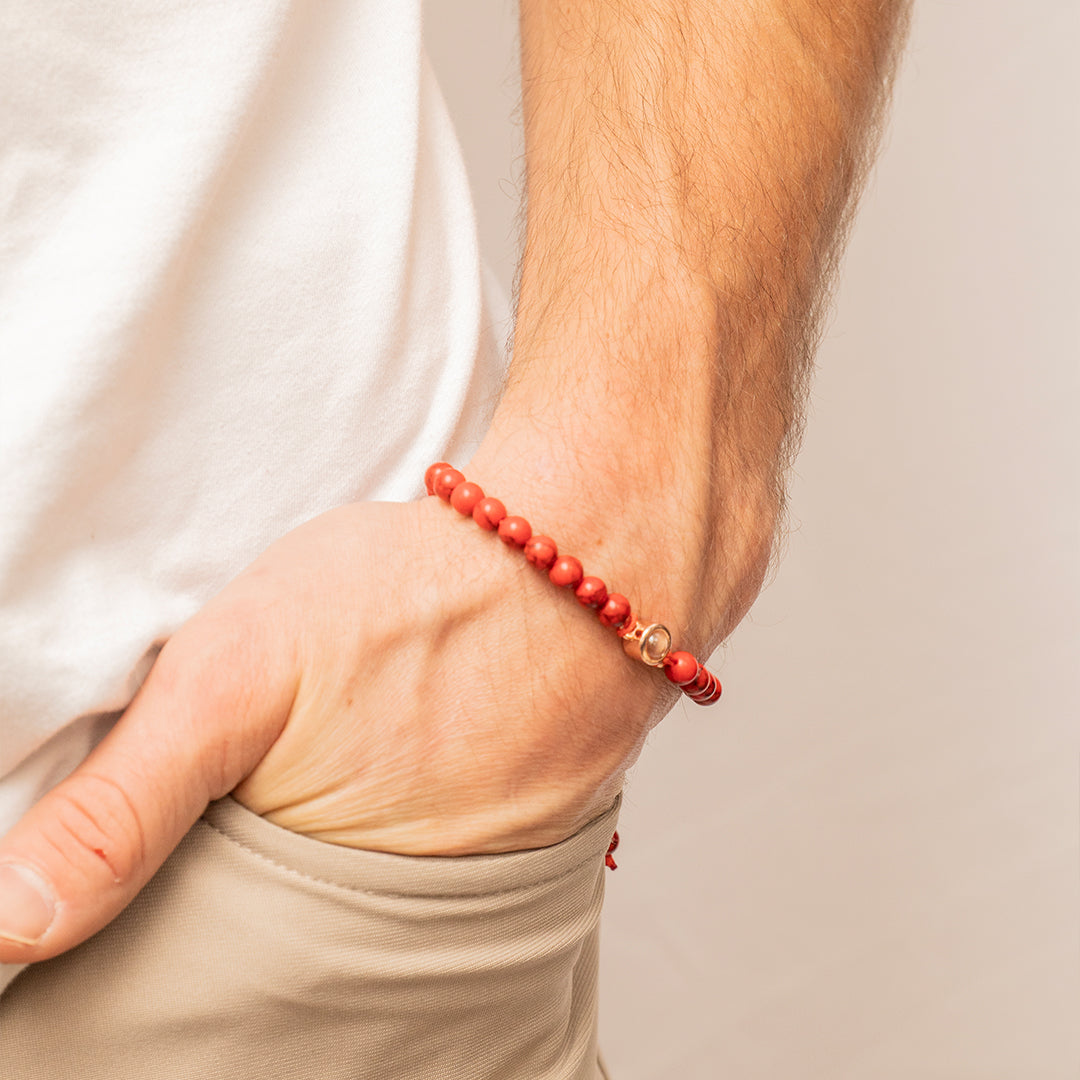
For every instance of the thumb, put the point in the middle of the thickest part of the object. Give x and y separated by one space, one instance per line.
81 853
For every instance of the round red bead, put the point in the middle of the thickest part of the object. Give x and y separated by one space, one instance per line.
444 484
567 572
592 592
616 611
681 667
541 552
432 472
515 530
488 513
465 496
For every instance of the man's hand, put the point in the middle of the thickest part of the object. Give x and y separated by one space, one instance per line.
388 677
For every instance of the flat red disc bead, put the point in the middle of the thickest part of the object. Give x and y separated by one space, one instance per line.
541 552
432 472
488 513
445 483
465 496
592 592
616 611
515 530
700 682
700 695
704 691
707 699
567 572
681 667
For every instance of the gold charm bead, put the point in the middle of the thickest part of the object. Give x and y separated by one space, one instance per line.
655 645
649 643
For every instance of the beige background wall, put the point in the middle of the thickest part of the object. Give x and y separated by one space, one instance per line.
865 864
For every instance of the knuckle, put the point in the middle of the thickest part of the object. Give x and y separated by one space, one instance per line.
95 822
211 662
223 693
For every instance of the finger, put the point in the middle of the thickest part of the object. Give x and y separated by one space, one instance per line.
79 856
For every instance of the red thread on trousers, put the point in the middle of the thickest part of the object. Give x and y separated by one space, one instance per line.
608 860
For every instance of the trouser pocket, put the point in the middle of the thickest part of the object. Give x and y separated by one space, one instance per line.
255 952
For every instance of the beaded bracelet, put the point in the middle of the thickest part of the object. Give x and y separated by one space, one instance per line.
653 640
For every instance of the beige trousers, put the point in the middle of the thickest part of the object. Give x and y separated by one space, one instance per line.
258 953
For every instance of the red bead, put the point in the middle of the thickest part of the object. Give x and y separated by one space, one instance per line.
432 472
592 592
541 552
681 667
465 496
708 684
701 695
567 572
616 611
700 683
710 697
515 530
445 482
488 513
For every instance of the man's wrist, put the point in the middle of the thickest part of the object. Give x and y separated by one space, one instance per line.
692 559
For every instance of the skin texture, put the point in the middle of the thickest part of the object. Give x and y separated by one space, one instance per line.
392 677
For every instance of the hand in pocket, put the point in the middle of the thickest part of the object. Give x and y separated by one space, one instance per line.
385 677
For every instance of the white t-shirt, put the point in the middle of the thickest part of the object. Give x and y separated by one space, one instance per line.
239 285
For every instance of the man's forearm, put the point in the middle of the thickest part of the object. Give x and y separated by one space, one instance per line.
690 167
